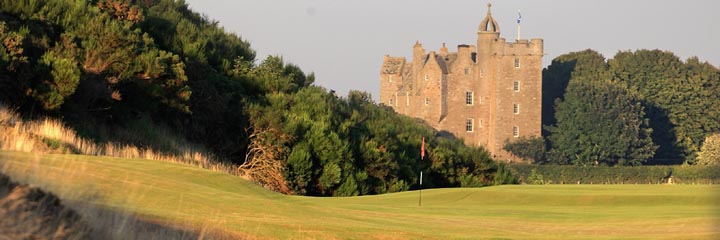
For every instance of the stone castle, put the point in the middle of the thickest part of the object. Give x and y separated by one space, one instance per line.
488 94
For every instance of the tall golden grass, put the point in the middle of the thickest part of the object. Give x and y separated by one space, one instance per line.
51 135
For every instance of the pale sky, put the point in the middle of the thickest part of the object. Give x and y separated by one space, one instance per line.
344 41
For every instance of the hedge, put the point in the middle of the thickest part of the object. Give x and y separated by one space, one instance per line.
566 174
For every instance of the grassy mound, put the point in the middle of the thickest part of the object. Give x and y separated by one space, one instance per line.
206 201
30 213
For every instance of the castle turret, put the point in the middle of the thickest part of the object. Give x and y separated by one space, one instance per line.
488 31
418 60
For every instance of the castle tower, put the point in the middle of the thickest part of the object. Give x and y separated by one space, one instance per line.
511 78
488 34
489 94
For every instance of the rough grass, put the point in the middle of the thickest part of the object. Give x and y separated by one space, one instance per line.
52 136
30 213
206 201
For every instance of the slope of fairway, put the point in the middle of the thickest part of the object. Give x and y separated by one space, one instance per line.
197 198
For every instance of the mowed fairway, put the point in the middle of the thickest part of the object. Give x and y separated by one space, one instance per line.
185 195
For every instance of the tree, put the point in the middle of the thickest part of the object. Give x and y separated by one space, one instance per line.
574 66
263 163
710 152
64 79
600 122
15 68
532 148
681 98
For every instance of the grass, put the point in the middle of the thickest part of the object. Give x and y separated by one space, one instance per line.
200 199
50 135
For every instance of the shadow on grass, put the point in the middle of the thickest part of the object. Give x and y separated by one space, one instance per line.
31 213
109 223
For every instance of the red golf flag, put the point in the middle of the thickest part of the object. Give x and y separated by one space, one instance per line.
422 149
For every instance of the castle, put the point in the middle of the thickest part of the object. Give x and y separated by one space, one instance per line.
488 94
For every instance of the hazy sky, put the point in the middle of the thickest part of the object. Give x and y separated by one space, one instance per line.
343 41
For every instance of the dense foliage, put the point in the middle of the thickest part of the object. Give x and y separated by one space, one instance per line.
582 66
117 70
350 146
600 123
531 148
573 174
640 107
682 99
710 152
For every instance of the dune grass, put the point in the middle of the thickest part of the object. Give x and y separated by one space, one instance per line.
200 199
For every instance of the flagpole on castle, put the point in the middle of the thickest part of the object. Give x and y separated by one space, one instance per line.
518 25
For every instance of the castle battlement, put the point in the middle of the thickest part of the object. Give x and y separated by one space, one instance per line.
487 94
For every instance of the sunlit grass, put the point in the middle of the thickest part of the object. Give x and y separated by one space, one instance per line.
51 135
202 199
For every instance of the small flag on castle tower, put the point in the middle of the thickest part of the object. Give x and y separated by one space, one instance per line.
519 17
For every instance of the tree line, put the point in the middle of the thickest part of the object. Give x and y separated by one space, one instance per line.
640 107
119 70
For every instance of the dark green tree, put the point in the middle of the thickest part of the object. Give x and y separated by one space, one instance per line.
681 98
532 148
600 122
577 66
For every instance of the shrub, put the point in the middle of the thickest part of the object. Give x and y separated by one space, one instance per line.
532 148
535 177
710 151
504 175
566 174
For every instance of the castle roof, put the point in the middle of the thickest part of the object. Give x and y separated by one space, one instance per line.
450 60
437 59
489 24
392 65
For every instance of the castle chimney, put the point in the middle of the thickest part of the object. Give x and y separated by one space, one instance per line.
464 51
443 50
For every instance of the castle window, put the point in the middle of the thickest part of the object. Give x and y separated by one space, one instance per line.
407 99
390 78
480 99
480 123
469 98
426 77
516 86
469 125
390 102
467 71
427 101
517 62
516 131
516 108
